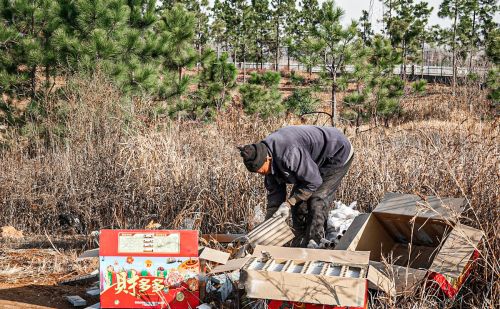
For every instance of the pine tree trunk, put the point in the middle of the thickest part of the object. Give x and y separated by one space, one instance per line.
33 81
389 21
404 63
33 68
422 65
287 59
277 46
235 63
454 60
472 40
244 63
180 74
47 77
261 57
334 97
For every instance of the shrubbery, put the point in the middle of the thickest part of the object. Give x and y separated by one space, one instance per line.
268 79
301 101
261 95
258 99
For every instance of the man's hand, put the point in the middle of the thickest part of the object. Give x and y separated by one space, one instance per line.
283 210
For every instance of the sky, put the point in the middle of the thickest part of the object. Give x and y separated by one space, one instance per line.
353 9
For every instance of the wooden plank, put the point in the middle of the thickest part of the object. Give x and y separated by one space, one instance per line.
224 238
213 255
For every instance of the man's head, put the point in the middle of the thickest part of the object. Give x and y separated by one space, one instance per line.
256 158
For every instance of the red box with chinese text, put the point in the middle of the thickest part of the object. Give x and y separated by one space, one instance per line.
149 269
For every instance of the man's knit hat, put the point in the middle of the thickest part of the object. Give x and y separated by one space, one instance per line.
254 155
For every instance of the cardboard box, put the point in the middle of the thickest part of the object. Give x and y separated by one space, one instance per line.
149 269
420 238
291 276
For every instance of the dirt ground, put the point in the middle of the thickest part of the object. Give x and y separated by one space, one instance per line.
31 270
40 295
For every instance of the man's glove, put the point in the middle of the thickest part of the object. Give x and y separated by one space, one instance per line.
283 210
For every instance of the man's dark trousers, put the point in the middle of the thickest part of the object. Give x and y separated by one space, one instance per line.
310 217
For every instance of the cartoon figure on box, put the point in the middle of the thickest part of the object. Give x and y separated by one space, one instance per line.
110 276
174 279
161 272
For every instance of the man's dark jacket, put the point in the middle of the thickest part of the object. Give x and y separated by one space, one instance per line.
300 154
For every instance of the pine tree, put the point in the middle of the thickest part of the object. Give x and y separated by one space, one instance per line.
261 30
217 79
282 9
452 9
176 31
220 13
309 52
337 42
366 31
28 30
381 90
405 22
302 44
200 10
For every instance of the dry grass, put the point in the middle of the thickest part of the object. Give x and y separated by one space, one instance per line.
119 167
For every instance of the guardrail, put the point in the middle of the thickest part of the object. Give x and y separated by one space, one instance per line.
411 69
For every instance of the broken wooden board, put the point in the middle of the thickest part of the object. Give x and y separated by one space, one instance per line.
231 265
212 255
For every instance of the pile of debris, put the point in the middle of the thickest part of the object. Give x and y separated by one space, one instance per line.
407 241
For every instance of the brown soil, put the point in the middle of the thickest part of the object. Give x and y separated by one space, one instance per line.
29 277
26 295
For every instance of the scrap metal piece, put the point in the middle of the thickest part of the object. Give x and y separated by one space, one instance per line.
272 232
220 286
76 300
93 292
